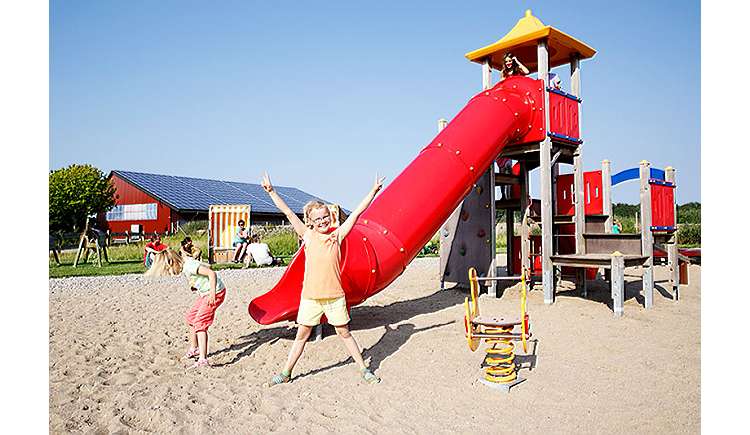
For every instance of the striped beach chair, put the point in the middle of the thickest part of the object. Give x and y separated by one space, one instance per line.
222 226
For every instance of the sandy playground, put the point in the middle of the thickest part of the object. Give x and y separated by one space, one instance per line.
116 345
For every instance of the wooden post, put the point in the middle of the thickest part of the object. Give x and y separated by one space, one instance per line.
579 196
509 224
442 123
545 169
672 258
525 228
607 195
492 271
486 75
617 263
647 238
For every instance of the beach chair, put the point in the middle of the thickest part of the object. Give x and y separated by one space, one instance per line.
222 226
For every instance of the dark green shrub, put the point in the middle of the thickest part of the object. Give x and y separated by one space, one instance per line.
689 234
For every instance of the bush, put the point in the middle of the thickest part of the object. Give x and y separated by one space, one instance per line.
689 234
194 228
431 249
689 213
282 243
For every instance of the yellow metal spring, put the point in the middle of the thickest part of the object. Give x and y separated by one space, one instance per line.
500 366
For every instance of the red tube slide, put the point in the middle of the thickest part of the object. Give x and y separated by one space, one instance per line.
408 212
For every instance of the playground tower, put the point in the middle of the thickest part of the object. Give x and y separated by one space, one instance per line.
574 212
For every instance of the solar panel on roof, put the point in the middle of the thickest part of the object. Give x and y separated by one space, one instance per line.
188 193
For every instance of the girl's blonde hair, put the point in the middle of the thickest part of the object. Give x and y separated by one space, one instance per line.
309 207
166 263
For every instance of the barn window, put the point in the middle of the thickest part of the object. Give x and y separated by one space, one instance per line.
132 212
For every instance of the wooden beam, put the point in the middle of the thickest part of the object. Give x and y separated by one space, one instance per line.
525 227
578 192
545 169
672 253
617 268
647 237
492 271
503 179
509 243
486 75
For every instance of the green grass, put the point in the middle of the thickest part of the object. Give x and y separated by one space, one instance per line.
129 258
89 269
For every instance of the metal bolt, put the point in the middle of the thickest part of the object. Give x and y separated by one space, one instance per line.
516 114
373 270
505 99
365 221
440 144
471 168
486 93
364 239
385 231
514 86
401 250
458 152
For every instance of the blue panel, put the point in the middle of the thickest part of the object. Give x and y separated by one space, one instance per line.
628 174
634 174
657 174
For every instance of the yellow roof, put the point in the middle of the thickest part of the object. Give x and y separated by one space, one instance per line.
522 41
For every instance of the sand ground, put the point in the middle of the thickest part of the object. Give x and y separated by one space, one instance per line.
116 345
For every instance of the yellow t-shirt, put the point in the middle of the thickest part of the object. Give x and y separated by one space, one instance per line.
322 270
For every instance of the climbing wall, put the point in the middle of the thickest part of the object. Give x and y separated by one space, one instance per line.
466 238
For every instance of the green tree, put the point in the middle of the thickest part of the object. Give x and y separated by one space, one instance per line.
76 192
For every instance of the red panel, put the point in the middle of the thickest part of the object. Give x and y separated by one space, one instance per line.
564 195
563 115
662 205
572 123
127 193
558 113
536 248
592 187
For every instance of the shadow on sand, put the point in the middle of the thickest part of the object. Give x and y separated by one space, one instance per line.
363 318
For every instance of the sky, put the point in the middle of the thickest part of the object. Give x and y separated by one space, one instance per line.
324 95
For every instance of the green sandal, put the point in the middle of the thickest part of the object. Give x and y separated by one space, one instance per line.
369 376
281 378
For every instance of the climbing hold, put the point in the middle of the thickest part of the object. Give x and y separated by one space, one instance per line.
481 233
445 232
462 250
464 215
479 190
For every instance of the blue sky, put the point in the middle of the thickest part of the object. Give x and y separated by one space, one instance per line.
325 94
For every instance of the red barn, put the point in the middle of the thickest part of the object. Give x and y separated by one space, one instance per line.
160 203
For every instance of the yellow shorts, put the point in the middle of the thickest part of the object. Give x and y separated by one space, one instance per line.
310 311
